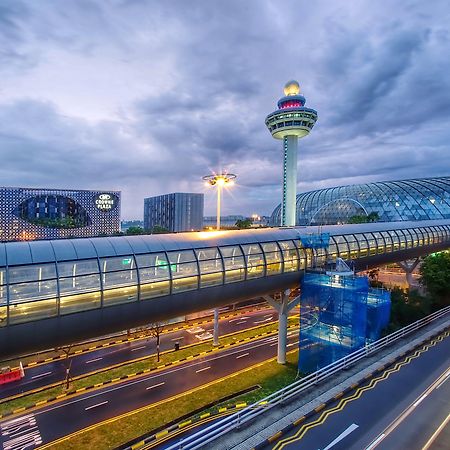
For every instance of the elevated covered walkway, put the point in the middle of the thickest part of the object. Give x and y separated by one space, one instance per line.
55 292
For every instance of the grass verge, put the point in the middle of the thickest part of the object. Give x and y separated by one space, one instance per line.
115 432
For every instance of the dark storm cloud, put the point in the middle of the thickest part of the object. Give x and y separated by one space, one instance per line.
148 96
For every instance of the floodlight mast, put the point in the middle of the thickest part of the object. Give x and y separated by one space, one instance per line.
220 180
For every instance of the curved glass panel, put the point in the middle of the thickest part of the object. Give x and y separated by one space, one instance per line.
290 256
273 257
27 312
74 268
234 263
31 272
211 267
254 260
184 269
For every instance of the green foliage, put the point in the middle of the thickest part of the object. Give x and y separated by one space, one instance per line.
158 229
243 223
358 219
372 217
406 308
58 222
131 231
435 276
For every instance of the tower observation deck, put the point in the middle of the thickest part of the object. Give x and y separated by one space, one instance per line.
290 122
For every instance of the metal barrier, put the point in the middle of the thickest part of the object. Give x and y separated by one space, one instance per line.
243 416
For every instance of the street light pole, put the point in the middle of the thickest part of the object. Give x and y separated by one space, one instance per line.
219 192
219 181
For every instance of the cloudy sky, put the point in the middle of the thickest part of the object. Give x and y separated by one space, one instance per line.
146 96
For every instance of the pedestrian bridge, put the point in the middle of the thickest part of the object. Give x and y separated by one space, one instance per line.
56 292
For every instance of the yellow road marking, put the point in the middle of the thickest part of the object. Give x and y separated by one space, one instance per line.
356 395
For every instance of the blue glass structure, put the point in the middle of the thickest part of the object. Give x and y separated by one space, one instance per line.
342 315
405 200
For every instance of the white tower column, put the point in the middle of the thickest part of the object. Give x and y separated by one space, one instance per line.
290 144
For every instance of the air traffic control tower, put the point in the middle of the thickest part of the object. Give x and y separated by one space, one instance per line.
290 122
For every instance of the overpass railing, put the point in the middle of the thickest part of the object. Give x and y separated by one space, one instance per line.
238 419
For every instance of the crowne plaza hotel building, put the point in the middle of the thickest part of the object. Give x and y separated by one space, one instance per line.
30 213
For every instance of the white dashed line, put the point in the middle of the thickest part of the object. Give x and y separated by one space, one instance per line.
95 406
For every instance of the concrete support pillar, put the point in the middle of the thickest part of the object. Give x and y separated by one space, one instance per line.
216 327
282 336
282 305
409 267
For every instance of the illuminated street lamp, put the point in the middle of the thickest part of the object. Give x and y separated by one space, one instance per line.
220 180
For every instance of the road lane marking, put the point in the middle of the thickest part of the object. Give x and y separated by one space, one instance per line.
444 380
20 433
137 348
241 356
375 442
241 322
249 346
237 319
155 386
178 338
343 435
95 406
201 370
94 360
41 375
436 433
272 345
420 399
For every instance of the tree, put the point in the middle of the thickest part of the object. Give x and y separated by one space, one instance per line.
67 363
155 329
357 219
435 276
373 217
243 223
406 308
158 229
131 231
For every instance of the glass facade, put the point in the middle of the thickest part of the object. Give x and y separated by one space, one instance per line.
406 200
31 291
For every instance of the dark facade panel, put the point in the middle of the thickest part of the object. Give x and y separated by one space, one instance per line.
176 212
30 214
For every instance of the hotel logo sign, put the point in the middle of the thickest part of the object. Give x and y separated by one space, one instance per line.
105 202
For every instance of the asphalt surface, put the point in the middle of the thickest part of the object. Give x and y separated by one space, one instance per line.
60 419
83 363
398 409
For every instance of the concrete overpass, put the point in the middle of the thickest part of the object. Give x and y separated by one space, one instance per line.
56 292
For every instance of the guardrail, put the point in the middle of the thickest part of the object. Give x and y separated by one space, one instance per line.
243 416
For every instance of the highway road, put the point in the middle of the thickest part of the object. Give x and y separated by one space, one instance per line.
56 420
401 408
83 363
